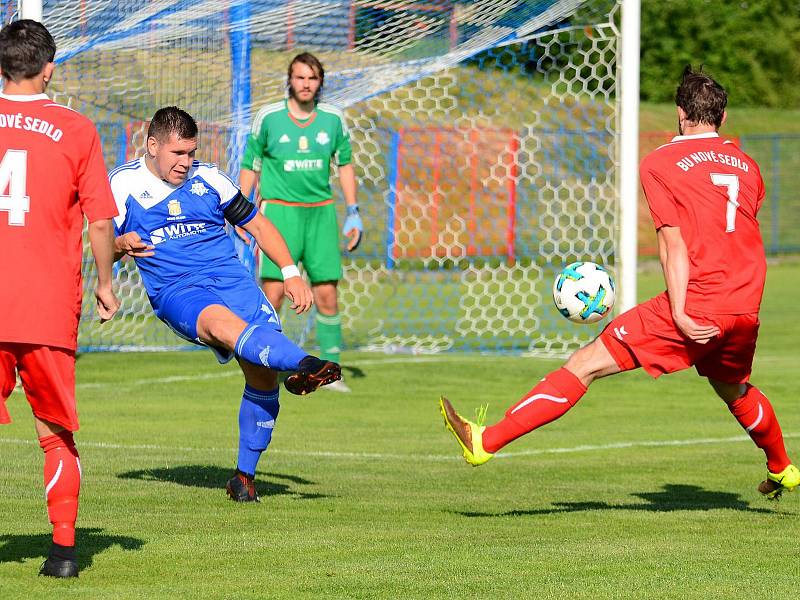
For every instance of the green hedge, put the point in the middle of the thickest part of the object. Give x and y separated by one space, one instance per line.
751 46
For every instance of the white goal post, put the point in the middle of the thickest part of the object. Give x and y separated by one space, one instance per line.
629 151
31 9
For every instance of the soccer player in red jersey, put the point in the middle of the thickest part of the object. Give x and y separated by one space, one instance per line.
704 194
51 175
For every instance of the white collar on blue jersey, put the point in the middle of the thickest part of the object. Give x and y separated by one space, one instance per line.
155 178
24 97
696 136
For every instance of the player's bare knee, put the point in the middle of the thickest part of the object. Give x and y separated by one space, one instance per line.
591 362
325 297
582 364
728 392
45 428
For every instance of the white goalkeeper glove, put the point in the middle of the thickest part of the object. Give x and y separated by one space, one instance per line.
353 227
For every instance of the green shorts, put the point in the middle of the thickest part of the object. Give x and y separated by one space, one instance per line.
312 234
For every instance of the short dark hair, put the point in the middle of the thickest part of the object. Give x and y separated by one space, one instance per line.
308 59
169 120
25 49
701 98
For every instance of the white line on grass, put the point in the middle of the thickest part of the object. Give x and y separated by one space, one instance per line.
223 374
430 457
170 379
236 373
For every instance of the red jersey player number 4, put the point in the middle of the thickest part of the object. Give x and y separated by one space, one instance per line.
52 175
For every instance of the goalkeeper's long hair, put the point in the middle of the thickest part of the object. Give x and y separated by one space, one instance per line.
311 61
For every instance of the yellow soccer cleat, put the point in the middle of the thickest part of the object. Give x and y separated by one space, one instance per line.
468 434
777 483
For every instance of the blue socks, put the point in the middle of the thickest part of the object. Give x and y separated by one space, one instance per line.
259 409
257 415
265 346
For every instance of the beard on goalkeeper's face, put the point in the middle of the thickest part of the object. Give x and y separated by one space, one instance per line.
304 84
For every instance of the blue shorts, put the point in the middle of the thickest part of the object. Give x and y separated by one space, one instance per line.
180 307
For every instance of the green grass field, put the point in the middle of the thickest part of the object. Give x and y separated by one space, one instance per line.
646 489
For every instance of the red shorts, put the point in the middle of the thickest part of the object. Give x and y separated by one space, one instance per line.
647 337
48 378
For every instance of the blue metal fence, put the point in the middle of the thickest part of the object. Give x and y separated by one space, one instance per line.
778 155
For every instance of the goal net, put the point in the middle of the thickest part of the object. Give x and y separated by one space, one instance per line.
484 138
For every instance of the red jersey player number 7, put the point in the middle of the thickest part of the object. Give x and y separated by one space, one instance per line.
704 194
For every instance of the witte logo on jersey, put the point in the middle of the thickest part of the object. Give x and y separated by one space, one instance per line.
323 138
284 139
305 164
176 231
198 189
174 208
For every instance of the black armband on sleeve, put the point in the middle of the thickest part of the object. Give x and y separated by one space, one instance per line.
238 209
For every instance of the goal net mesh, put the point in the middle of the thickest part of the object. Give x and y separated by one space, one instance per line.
484 139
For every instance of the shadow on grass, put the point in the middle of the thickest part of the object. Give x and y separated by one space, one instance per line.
674 497
211 477
353 372
88 543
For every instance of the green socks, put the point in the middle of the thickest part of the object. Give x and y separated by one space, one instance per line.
329 336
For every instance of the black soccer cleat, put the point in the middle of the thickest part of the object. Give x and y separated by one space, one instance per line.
55 567
311 375
242 488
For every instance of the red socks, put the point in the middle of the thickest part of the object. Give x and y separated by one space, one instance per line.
560 390
552 397
62 480
755 414
8 380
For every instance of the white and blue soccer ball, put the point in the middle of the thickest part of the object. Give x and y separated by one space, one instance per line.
584 292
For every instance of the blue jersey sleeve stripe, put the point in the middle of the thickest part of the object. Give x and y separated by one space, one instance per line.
226 176
197 164
219 182
128 166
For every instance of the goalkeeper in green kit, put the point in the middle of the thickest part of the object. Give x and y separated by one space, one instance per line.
291 144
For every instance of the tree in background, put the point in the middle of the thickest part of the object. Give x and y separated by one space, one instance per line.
752 46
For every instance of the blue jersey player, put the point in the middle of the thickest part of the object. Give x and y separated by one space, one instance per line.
172 214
